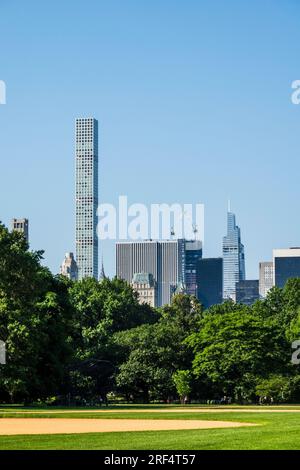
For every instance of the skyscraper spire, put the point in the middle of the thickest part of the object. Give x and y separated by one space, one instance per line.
233 258
229 206
102 273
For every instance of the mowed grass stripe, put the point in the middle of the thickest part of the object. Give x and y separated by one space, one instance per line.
276 431
232 416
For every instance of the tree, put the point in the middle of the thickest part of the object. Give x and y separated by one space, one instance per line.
275 388
283 304
150 354
234 348
33 322
101 309
147 359
182 380
185 311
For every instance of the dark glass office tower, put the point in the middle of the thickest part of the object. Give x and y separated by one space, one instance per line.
286 265
247 291
193 253
210 281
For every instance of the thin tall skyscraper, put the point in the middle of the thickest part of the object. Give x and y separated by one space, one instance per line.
233 258
86 197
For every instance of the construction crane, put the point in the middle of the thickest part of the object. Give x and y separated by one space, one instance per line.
195 230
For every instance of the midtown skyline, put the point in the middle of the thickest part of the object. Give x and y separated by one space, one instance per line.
86 160
192 107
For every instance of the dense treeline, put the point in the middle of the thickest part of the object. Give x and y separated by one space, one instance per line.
81 342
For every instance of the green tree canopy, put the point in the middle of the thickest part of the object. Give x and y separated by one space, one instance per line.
182 380
233 347
34 315
150 354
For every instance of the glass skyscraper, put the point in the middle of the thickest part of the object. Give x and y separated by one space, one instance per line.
210 281
286 265
247 292
233 258
193 253
86 197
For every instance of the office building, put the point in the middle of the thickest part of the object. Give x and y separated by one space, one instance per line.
193 253
286 265
69 267
86 197
166 260
22 226
233 258
162 259
247 291
145 286
266 278
210 281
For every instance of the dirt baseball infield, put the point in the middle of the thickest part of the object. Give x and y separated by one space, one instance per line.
15 426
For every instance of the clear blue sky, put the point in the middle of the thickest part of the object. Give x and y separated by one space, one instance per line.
193 103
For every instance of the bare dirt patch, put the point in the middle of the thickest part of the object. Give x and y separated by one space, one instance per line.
15 426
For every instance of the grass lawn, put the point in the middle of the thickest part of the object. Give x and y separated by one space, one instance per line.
274 431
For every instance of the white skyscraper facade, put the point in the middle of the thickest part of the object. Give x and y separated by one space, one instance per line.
266 277
233 258
86 197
